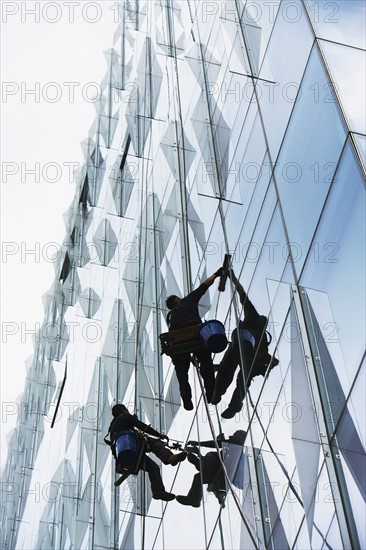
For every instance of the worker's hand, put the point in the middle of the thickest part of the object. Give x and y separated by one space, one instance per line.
219 272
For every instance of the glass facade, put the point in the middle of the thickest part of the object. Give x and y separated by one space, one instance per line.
224 127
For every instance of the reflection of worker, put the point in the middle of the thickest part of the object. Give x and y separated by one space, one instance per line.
210 468
123 421
184 313
251 345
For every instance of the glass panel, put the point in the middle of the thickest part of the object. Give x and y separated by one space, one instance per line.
341 21
340 240
291 39
308 159
348 69
357 404
257 20
357 499
361 146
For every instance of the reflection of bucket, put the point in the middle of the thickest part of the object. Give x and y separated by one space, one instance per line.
126 449
213 335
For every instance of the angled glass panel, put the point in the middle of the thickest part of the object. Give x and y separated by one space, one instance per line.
348 69
336 259
291 39
342 21
308 158
361 147
355 491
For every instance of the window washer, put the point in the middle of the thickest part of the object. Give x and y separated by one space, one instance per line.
252 354
183 313
209 466
125 423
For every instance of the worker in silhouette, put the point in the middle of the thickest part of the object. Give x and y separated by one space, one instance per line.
123 422
209 468
184 313
248 350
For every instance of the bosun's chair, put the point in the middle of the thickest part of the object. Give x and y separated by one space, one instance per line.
183 340
134 470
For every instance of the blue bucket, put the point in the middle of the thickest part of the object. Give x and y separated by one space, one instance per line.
126 450
212 334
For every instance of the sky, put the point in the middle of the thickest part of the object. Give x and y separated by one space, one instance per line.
52 62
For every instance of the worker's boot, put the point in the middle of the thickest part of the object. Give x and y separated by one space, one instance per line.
188 501
163 495
187 401
194 496
174 459
229 413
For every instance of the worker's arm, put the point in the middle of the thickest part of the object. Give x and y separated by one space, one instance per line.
209 443
249 309
239 288
145 428
210 280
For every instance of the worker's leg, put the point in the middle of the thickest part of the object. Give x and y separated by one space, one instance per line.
210 469
181 363
207 371
243 380
226 372
194 495
157 485
164 453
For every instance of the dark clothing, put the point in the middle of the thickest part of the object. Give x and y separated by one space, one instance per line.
228 365
182 363
240 353
184 314
210 469
148 465
127 421
153 470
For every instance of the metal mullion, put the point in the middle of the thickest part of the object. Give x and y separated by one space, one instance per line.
169 27
149 77
343 508
257 512
94 468
115 511
265 517
123 48
210 120
157 331
179 137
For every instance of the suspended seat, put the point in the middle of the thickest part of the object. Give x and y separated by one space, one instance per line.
134 468
183 340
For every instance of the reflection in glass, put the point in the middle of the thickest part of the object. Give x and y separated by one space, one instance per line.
308 159
342 21
348 69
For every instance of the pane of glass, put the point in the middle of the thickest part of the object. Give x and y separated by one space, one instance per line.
324 509
291 39
341 21
348 69
361 146
357 404
338 247
357 500
304 173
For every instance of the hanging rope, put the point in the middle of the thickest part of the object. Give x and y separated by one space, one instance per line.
235 497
